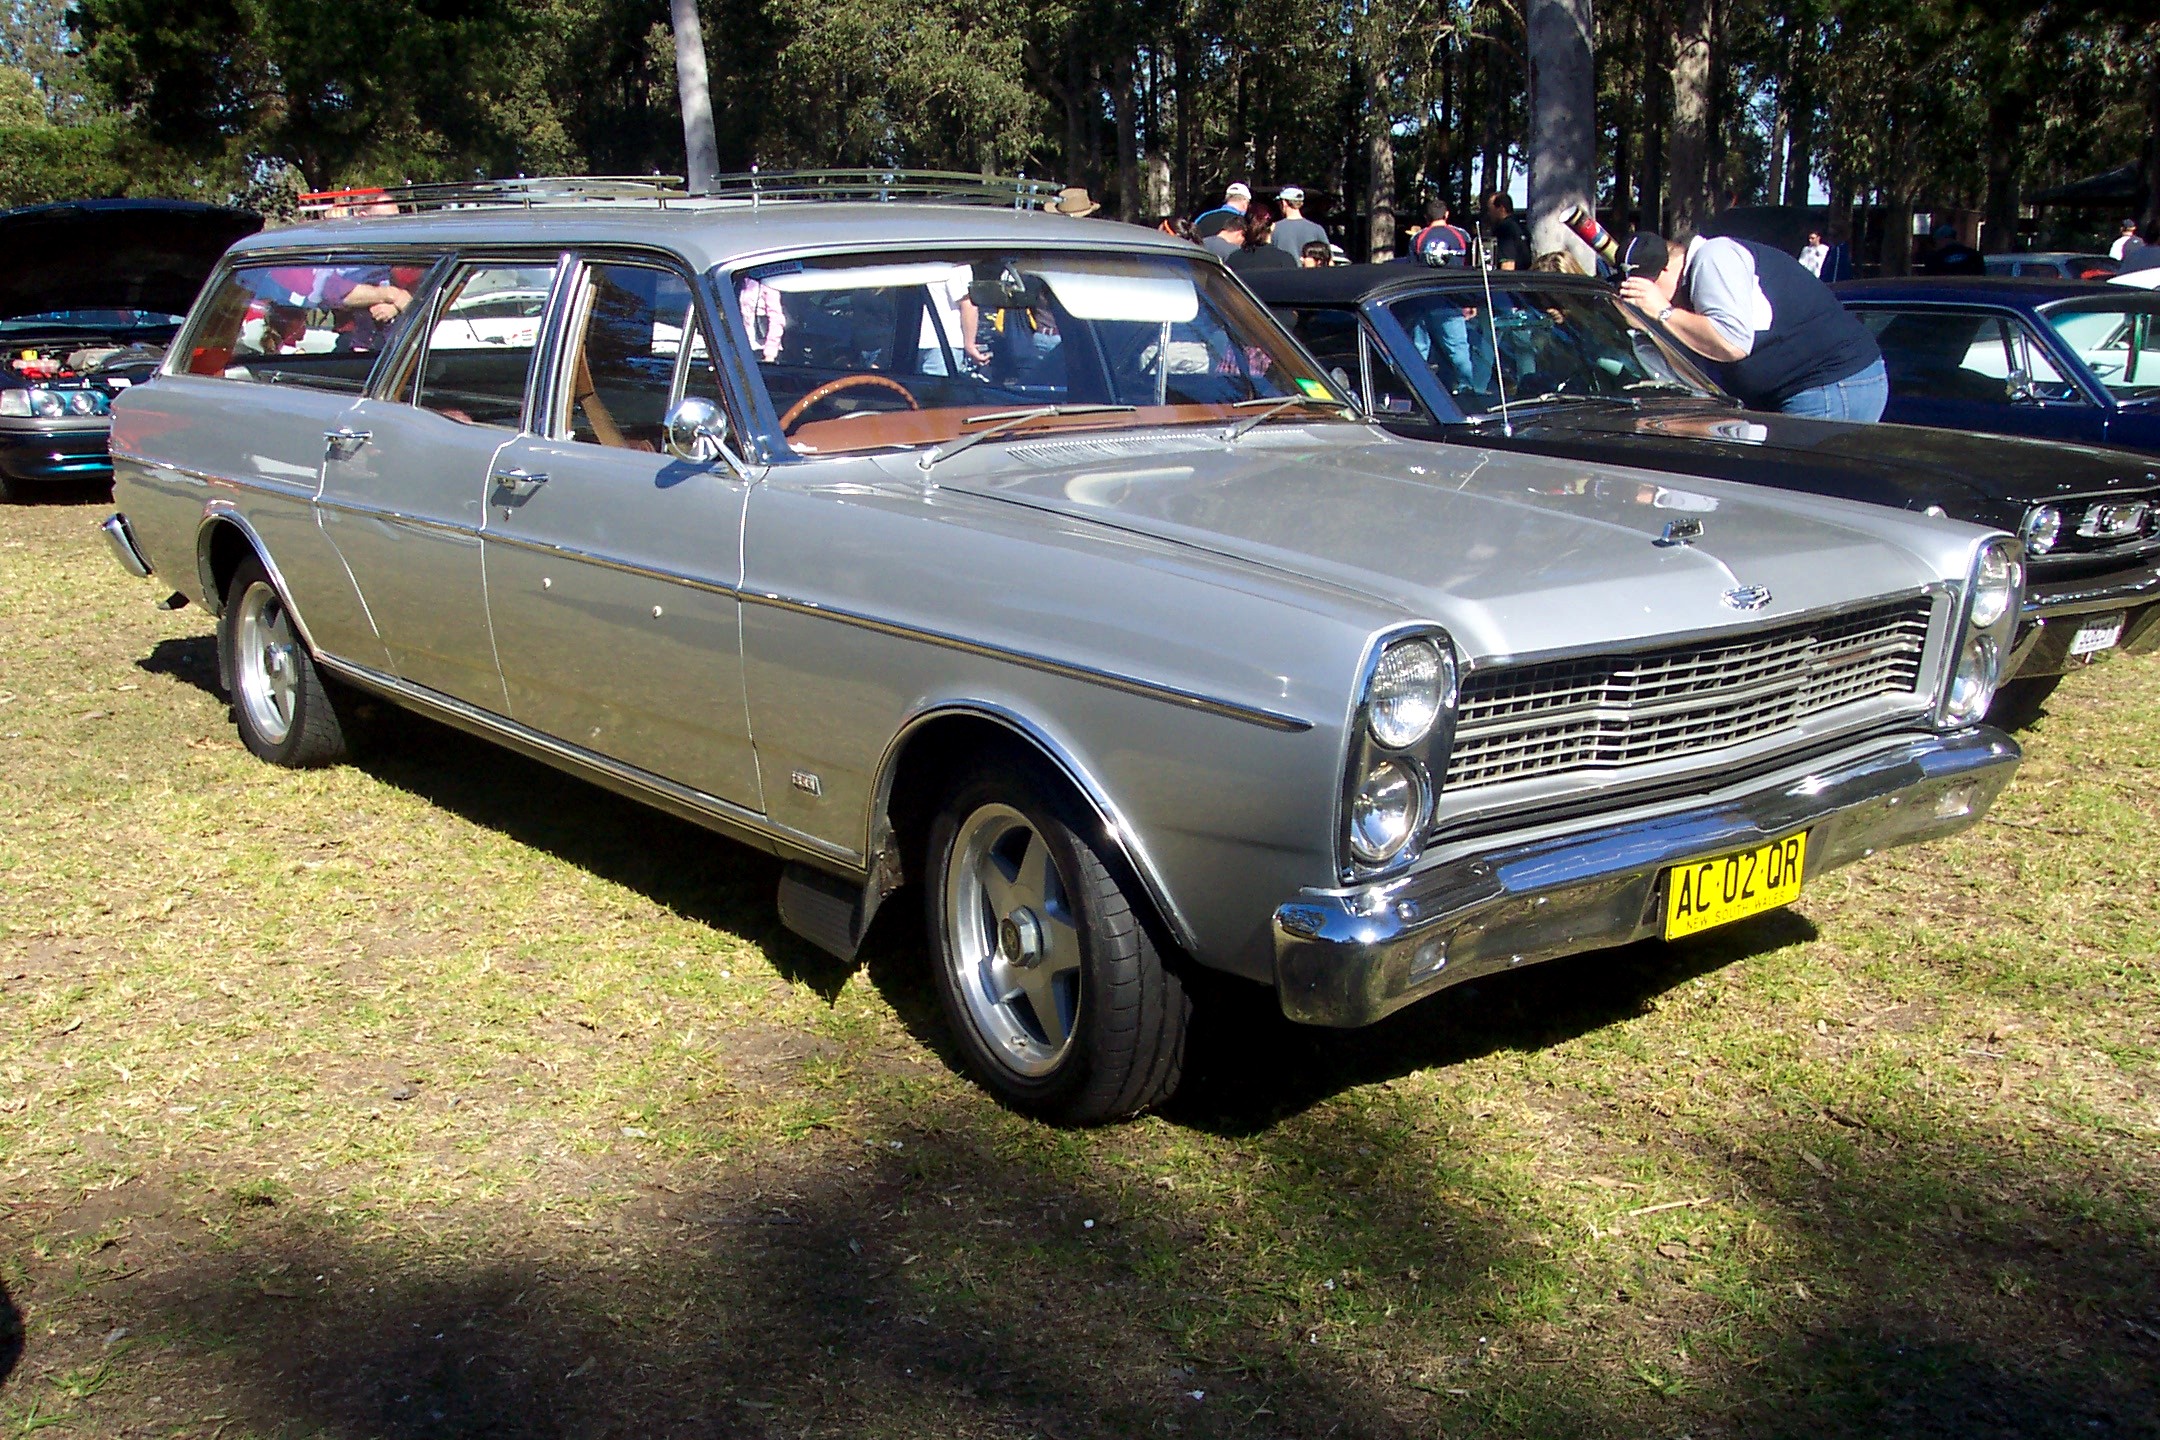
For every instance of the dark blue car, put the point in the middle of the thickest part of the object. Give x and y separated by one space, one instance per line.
2054 359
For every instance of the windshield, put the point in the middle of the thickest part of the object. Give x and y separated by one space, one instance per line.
2119 343
1552 343
871 352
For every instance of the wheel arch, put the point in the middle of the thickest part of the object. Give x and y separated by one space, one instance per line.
934 747
223 543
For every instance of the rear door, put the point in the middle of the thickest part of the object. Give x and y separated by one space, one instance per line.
406 477
612 567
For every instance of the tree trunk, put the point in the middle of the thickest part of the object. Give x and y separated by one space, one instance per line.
1838 227
1895 250
1494 147
1657 114
1800 141
2152 145
701 147
1780 127
1999 233
1182 73
1563 125
1686 177
1128 138
1379 167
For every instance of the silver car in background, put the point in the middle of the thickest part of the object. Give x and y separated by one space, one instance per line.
1027 562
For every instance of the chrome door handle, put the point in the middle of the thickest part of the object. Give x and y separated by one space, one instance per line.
343 442
521 480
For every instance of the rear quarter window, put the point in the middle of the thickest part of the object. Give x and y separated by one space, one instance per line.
318 326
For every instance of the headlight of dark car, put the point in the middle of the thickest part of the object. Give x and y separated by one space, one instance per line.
1401 730
40 403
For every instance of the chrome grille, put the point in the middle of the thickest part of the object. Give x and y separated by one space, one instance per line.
1609 711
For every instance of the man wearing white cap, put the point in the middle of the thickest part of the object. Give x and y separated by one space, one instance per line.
1293 232
1218 229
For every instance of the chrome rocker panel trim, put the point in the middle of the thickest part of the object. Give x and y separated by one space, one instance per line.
1349 957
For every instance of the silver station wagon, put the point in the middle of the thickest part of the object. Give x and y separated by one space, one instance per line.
1026 562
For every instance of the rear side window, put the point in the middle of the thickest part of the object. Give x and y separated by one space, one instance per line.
318 326
636 331
481 347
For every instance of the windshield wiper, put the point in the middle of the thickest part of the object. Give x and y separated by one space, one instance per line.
1276 405
1671 386
1000 421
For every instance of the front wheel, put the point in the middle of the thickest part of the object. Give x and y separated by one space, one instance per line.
1051 984
280 704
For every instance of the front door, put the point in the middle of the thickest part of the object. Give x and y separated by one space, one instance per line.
612 567
404 485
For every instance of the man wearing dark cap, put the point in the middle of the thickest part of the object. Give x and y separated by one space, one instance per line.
1774 334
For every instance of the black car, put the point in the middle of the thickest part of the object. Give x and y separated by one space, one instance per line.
1558 365
92 293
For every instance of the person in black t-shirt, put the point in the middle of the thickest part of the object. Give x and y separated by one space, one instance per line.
1510 238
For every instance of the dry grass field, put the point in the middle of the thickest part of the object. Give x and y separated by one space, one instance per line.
439 1095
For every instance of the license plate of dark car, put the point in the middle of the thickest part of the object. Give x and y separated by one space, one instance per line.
1725 888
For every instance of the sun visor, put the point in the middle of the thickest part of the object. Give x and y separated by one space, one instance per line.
1094 295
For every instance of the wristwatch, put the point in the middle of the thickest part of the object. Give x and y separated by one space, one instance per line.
1666 314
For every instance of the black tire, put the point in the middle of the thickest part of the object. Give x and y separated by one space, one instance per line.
2017 704
1123 1012
280 704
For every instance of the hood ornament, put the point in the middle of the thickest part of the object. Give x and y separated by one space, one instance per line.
1745 597
1680 532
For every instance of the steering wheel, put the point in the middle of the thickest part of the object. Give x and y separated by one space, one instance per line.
834 387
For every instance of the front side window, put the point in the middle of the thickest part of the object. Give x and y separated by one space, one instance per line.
2118 342
315 325
636 346
480 348
1533 344
863 353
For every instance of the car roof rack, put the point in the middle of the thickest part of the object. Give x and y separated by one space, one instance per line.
752 188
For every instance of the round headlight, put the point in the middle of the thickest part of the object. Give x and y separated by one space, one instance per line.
2043 525
46 405
1972 689
1410 686
1995 584
1384 812
82 402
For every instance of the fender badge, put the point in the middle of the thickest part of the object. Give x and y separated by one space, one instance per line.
1680 532
1746 597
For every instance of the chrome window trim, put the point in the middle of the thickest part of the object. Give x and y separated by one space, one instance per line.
2076 371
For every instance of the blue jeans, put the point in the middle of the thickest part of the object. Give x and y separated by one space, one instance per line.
1858 397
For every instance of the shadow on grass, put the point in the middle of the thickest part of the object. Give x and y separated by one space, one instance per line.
938 1275
11 1335
1248 1067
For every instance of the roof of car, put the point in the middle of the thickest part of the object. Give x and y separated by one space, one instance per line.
1348 284
1990 290
721 231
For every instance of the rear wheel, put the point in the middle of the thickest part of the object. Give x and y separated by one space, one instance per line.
280 704
1053 988
2017 704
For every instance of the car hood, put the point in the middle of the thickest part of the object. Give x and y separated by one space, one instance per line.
1916 463
113 254
1516 554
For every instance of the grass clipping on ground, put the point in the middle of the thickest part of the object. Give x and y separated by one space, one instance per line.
439 1095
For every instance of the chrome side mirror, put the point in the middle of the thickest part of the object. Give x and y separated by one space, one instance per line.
2020 389
697 431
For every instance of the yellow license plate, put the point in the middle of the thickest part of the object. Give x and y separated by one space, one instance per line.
1732 887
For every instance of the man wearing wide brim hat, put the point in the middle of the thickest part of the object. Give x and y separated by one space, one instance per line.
1072 200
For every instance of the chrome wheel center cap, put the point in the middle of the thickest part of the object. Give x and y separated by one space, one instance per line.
1020 938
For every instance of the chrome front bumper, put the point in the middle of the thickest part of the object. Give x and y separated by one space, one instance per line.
1348 957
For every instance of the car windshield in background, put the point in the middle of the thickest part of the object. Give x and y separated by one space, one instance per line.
872 352
2119 343
1544 345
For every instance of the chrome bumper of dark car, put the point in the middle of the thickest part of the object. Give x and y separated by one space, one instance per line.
2055 611
1348 957
124 548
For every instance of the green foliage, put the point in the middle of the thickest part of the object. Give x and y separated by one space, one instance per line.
44 162
20 102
